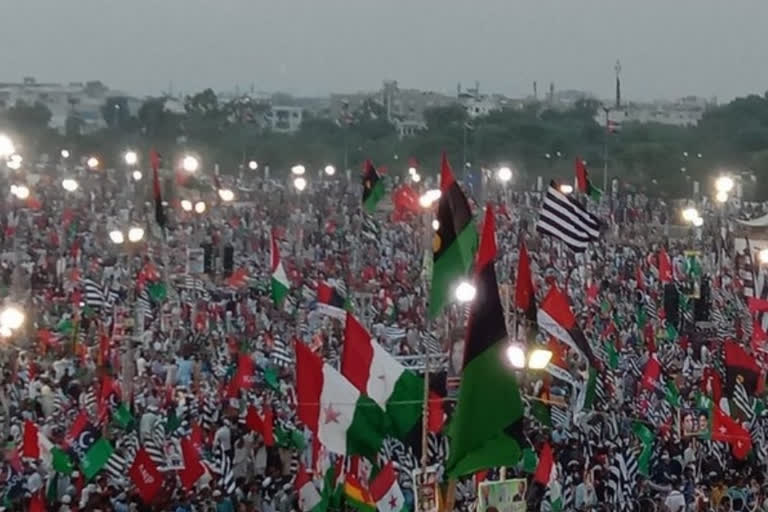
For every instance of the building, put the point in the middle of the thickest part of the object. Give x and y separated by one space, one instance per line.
284 119
686 111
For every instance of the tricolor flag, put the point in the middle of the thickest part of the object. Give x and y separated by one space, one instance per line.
330 301
555 317
373 187
454 243
585 184
344 420
386 492
740 367
486 429
375 373
34 444
280 284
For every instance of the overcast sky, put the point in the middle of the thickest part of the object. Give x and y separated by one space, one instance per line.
668 48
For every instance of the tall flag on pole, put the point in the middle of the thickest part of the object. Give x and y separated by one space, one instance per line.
373 187
525 294
486 429
280 284
154 159
565 219
454 243
585 184
555 317
344 420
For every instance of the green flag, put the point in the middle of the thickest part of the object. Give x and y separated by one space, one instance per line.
373 188
542 412
96 458
671 394
647 438
530 461
270 377
61 461
122 416
613 355
158 291
671 332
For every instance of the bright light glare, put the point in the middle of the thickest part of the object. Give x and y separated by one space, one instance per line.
253 165
300 184
116 236
516 356
14 164
698 222
724 184
12 318
137 175
186 205
465 292
92 162
435 224
330 170
131 158
505 174
190 164
721 196
200 207
298 170
412 171
6 146
69 184
135 234
566 188
22 191
429 197
690 213
416 177
226 195
539 359
64 153
5 332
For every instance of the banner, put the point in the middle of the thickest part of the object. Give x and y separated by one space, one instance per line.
426 489
503 496
195 260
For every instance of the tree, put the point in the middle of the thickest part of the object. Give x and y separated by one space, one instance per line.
116 114
29 119
438 118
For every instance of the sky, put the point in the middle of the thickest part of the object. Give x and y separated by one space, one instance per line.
667 48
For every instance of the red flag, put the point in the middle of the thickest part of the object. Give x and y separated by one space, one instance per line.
37 503
435 413
197 435
268 433
651 374
581 179
253 420
243 378
104 349
640 278
524 291
145 476
711 383
237 279
757 305
665 267
30 446
725 428
81 421
758 335
544 468
193 469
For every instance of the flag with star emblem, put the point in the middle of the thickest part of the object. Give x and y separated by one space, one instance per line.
91 450
725 428
386 492
373 187
310 499
380 376
486 428
344 420
454 243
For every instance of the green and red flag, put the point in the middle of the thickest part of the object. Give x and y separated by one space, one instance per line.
555 317
386 492
454 243
373 187
584 183
486 428
280 283
740 366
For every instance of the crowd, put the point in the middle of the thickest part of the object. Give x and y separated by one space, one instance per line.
134 347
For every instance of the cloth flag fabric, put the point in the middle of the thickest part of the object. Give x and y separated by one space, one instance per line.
193 469
585 184
725 428
757 305
330 301
454 242
740 367
92 450
545 469
564 218
651 374
145 476
665 267
525 294
485 430
154 160
357 495
375 373
280 283
555 317
344 420
310 499
386 492
373 187
34 444
646 437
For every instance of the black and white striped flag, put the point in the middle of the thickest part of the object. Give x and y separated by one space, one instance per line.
565 219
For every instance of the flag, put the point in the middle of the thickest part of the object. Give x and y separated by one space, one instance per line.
310 499
651 374
92 450
154 159
375 373
585 184
373 187
61 462
740 367
357 495
564 218
545 469
757 305
280 283
243 377
331 301
587 396
665 267
386 492
525 294
671 393
122 416
37 503
34 444
78 425
486 425
145 476
193 468
555 317
646 437
262 426
454 243
344 420
725 428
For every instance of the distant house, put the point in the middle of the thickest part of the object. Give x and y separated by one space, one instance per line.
284 119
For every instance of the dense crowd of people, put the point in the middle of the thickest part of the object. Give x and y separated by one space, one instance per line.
146 345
